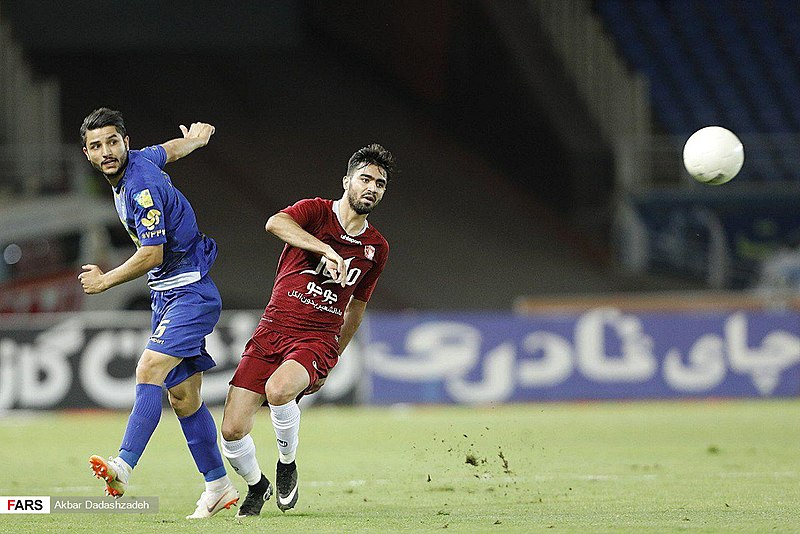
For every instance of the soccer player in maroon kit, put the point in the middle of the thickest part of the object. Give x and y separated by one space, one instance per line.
326 274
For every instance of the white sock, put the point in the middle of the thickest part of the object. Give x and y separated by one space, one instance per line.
241 454
215 486
286 421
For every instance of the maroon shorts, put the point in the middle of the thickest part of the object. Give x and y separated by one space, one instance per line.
268 349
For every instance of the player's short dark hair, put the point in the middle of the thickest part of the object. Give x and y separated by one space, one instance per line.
373 154
100 118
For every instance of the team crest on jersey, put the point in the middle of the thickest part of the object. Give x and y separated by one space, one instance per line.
151 219
369 251
143 198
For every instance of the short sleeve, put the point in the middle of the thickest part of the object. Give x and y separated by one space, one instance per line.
148 215
307 213
366 286
155 154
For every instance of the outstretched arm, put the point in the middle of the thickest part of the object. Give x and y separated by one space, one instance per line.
196 136
145 258
286 229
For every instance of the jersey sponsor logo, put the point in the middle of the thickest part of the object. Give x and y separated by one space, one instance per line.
154 234
328 296
152 218
143 198
350 239
311 302
352 274
369 251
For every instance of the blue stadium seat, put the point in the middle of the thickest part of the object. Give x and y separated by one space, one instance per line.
630 40
787 14
749 72
738 31
774 58
671 58
726 63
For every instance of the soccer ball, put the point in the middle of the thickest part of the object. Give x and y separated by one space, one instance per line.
713 155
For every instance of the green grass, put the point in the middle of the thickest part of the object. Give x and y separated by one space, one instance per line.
605 467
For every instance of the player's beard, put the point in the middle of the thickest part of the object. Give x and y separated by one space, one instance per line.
358 206
123 164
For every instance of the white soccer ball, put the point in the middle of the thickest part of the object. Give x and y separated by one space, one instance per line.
713 155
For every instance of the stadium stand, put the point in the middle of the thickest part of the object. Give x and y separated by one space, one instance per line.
711 63
30 136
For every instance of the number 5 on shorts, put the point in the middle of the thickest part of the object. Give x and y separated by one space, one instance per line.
162 326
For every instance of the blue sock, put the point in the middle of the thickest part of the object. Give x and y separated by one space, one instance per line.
142 422
201 436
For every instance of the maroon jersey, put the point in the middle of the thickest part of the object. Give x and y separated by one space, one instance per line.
304 297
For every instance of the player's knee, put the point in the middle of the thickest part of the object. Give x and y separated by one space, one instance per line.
231 430
184 402
184 407
151 370
279 392
146 372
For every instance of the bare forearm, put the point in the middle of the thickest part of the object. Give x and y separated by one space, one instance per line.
180 147
195 136
287 230
137 265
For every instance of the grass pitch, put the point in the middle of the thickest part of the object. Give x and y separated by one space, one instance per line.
598 467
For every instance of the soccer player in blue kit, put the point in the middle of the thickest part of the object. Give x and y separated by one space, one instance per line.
186 304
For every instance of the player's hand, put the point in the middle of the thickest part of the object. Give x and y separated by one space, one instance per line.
336 267
198 130
92 279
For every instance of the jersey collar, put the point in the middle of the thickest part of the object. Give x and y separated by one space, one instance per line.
336 204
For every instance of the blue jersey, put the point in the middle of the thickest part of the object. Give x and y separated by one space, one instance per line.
154 212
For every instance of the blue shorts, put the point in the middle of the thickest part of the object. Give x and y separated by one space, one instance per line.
182 318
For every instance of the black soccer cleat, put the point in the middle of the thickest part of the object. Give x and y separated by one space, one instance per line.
257 495
286 481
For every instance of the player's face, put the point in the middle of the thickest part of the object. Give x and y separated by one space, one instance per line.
365 188
106 150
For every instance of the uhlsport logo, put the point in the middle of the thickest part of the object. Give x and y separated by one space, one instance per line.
24 505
